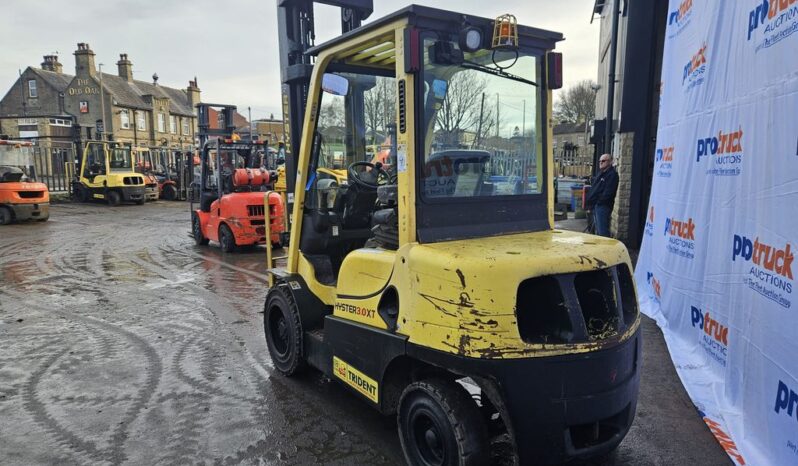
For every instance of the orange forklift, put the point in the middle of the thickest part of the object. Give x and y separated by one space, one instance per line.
230 186
231 197
21 196
145 165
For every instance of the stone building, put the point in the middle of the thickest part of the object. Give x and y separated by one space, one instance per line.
640 39
270 129
49 106
34 107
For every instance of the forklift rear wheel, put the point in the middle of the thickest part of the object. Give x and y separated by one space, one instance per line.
196 230
283 330
169 193
226 239
5 216
113 198
439 424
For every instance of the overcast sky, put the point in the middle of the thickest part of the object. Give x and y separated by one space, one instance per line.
231 45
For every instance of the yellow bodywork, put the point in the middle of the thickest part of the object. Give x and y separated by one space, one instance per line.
459 296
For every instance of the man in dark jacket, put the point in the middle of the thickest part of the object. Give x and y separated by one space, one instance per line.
601 197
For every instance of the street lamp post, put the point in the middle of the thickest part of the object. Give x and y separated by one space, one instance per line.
102 101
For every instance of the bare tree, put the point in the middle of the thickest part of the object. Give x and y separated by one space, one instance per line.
331 112
577 104
380 107
460 109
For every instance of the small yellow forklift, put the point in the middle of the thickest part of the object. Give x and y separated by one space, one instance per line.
106 173
439 291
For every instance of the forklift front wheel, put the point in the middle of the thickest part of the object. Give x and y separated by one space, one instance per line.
196 230
169 193
226 239
440 424
5 215
283 330
113 198
81 194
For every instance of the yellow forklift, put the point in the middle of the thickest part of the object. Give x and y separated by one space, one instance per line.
106 172
440 291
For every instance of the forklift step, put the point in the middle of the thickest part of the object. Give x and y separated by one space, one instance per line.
317 352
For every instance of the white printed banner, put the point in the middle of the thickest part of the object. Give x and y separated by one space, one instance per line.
716 267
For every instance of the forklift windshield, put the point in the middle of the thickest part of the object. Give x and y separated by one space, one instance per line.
144 161
354 117
120 159
16 162
481 120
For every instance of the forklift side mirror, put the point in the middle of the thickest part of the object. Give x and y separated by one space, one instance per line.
334 84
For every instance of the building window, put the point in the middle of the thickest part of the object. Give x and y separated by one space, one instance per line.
32 92
185 125
60 122
172 124
580 140
161 123
124 118
27 122
141 123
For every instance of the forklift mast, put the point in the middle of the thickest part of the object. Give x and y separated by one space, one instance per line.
296 28
204 122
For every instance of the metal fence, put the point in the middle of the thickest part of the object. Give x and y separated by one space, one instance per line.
573 170
54 167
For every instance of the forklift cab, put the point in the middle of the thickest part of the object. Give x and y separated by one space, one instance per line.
444 271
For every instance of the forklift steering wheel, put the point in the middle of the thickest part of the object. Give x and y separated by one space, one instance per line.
355 176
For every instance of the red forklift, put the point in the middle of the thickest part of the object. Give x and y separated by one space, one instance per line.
230 190
172 170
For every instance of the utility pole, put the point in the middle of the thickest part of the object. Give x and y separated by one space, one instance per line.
523 124
497 115
251 134
478 139
102 101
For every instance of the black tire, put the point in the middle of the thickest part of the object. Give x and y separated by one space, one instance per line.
169 193
6 216
440 424
113 198
140 201
81 194
226 239
283 329
196 230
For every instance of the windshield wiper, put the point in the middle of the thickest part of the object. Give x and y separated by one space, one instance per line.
496 72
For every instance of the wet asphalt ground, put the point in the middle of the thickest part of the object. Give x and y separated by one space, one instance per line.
123 342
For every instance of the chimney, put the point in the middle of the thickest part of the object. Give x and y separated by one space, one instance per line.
51 63
125 67
84 61
155 79
193 93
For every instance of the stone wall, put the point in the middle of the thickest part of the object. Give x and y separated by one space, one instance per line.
623 150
